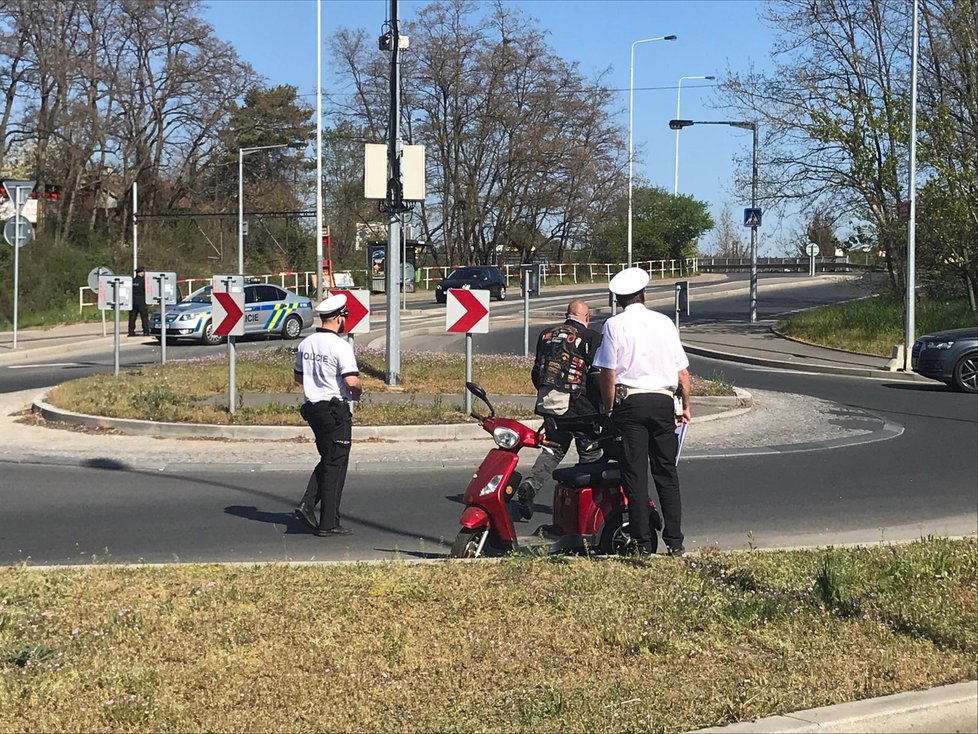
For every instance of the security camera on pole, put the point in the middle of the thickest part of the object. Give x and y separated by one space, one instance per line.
394 174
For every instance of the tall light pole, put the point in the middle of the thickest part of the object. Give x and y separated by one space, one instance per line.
319 153
242 152
631 96
752 126
909 325
679 91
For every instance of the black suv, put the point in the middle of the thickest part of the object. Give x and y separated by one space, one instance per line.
478 277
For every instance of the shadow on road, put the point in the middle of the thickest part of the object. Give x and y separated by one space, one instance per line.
293 526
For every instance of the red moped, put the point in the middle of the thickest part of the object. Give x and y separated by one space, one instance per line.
590 511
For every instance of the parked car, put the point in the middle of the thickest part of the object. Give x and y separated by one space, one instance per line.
478 277
948 356
268 309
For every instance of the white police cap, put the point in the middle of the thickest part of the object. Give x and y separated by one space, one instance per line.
628 281
331 305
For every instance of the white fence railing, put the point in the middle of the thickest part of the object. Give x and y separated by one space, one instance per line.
303 283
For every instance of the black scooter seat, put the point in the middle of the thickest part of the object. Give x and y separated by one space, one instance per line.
589 475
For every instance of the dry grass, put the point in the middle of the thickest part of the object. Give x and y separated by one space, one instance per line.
179 391
527 644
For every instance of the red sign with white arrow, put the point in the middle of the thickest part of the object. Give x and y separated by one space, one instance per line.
358 304
467 312
227 310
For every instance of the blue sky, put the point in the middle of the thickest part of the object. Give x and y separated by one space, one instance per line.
278 38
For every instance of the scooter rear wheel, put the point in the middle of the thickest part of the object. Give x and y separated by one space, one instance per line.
470 543
615 539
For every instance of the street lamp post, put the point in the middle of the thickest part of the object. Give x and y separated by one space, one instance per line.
242 152
679 91
752 126
631 96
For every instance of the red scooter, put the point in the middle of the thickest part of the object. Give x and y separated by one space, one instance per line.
590 511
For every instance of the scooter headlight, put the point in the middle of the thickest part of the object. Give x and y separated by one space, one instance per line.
506 438
491 486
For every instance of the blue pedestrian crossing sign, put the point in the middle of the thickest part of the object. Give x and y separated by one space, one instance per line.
752 217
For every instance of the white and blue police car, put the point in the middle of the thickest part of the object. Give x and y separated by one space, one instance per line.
268 309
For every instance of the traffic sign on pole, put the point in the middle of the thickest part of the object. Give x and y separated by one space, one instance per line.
161 287
94 275
358 304
227 308
467 311
752 217
18 236
115 292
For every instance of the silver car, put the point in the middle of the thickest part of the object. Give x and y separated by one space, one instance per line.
268 309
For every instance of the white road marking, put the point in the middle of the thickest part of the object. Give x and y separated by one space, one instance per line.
47 364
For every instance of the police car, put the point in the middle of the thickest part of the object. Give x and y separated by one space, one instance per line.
268 310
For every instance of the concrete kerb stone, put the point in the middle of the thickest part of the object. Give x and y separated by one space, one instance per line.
803 366
951 708
433 432
59 350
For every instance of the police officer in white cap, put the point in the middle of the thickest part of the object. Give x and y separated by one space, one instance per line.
642 364
327 369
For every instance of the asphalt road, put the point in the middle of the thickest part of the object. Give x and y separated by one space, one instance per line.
923 482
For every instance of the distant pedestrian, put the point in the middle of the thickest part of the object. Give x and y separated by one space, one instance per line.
562 375
327 369
139 302
642 365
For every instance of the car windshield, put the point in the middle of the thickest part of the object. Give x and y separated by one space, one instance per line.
467 273
201 295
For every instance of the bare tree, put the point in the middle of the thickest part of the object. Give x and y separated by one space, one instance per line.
520 147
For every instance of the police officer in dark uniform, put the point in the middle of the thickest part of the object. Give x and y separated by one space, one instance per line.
642 364
562 374
327 369
139 302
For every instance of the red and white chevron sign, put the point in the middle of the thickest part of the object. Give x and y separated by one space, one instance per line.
467 312
358 304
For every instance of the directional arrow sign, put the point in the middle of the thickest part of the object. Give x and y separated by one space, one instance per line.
358 304
226 312
467 312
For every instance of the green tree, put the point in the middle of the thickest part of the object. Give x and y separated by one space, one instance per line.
275 180
664 227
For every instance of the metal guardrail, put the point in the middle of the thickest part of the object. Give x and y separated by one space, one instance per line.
302 282
784 264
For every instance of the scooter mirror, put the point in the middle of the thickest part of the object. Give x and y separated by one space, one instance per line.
481 394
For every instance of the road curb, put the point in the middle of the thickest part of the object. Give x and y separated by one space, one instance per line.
950 708
59 350
429 432
806 366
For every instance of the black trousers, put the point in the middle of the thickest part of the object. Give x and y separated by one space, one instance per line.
332 425
139 308
648 433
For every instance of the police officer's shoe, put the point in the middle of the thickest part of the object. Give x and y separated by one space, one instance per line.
305 513
677 550
338 530
524 500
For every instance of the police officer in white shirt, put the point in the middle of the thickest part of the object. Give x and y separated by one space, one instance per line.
327 369
642 363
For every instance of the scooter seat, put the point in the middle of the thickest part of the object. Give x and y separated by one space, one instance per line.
589 475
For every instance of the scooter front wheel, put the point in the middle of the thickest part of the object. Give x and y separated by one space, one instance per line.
470 543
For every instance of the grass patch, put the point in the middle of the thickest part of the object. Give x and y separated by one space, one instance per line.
184 392
527 644
873 325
